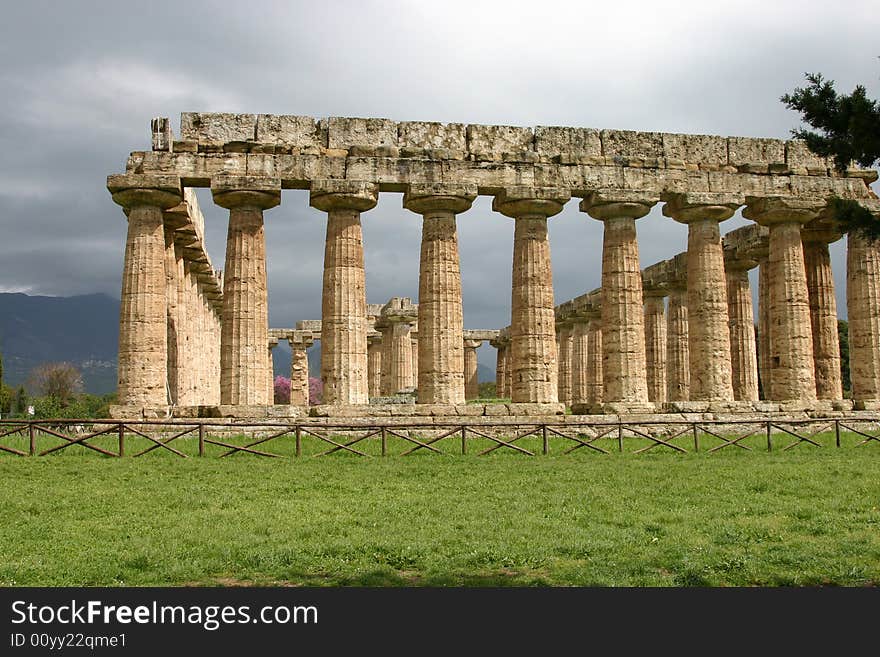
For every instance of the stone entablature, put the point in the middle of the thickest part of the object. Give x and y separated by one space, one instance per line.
300 150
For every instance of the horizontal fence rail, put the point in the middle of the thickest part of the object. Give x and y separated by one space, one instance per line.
184 439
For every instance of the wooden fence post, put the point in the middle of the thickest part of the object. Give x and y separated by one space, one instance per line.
545 440
201 439
121 430
32 449
298 434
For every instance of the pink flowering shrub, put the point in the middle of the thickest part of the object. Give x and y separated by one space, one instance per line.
282 390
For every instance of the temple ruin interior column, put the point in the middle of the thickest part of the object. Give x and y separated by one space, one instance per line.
709 332
500 362
623 330
533 371
595 361
743 352
440 366
564 349
270 370
374 364
863 310
143 316
763 337
579 362
343 300
395 324
678 367
655 344
816 236
299 368
792 376
414 354
245 327
471 382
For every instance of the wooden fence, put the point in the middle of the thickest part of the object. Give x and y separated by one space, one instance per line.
44 437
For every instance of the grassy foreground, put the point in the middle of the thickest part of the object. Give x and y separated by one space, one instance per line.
803 517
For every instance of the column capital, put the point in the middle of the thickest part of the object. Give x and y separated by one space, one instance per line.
658 291
769 210
131 190
374 338
472 344
273 342
605 204
821 231
336 194
695 206
422 198
246 192
523 201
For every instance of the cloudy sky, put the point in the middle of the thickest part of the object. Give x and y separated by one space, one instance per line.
81 81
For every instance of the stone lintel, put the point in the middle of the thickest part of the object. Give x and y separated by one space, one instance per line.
333 194
823 230
768 210
246 191
273 342
521 201
481 334
422 198
694 206
313 325
605 204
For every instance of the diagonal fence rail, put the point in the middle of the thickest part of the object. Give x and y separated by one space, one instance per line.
279 439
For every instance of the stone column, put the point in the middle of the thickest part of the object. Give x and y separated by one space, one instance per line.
709 332
374 364
792 375
623 330
763 339
863 310
655 344
397 355
471 382
299 368
595 361
414 353
823 309
176 354
532 323
508 369
143 321
270 369
743 354
343 300
579 360
564 349
440 357
678 367
500 373
245 329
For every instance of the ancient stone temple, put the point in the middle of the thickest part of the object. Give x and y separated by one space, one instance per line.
192 338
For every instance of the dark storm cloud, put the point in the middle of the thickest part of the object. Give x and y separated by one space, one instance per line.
81 81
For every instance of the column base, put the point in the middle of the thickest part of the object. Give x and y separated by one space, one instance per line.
614 408
866 404
125 412
436 410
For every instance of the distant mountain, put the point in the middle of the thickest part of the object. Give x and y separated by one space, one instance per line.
83 330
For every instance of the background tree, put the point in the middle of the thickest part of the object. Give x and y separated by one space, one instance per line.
61 381
848 128
282 390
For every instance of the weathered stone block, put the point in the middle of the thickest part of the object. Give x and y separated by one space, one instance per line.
748 151
429 136
570 144
217 127
343 133
298 131
491 142
631 144
798 157
700 149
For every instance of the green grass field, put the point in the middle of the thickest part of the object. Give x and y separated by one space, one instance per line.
806 516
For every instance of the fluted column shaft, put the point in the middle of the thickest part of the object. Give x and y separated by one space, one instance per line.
579 361
863 310
343 299
655 347
623 330
176 355
299 374
500 374
143 320
565 368
471 382
709 333
764 363
374 366
595 362
397 358
678 369
414 366
791 343
508 367
823 320
743 355
270 375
